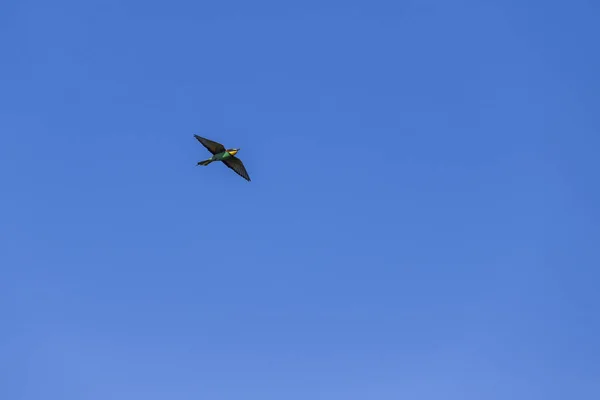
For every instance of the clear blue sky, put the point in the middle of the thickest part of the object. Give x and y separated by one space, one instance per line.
423 220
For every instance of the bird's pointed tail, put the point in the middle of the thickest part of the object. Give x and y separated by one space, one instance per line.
205 162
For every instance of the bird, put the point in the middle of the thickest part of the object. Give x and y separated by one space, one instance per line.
227 156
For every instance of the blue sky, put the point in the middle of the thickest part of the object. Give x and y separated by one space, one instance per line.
422 222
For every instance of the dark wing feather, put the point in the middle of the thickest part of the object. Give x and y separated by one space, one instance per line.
236 164
211 146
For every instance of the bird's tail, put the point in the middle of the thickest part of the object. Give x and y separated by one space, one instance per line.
205 162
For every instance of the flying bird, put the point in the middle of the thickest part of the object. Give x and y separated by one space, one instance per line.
227 156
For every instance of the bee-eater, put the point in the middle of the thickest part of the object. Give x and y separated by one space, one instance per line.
226 156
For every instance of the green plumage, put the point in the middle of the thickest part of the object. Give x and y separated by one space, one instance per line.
226 156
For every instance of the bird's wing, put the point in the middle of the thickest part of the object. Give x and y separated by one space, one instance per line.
236 164
213 147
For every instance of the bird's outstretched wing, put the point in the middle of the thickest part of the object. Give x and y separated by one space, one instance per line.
213 147
236 164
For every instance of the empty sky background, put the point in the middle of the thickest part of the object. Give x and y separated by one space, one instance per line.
423 221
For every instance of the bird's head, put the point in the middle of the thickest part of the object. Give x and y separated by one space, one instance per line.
233 152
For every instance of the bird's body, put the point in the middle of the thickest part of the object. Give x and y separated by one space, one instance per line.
223 155
227 156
